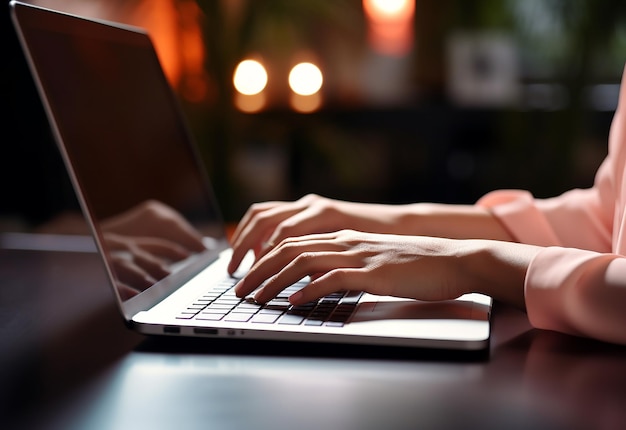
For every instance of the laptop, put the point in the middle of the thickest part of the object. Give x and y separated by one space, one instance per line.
126 146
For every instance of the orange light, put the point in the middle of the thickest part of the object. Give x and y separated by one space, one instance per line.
250 103
305 104
385 10
174 25
390 25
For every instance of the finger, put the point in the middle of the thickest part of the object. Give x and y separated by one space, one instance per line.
317 264
254 277
258 208
250 214
301 241
280 272
253 224
301 223
256 230
343 279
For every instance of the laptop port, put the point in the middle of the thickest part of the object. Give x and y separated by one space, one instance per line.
201 330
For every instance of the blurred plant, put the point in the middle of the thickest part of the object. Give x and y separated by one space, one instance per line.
570 43
558 38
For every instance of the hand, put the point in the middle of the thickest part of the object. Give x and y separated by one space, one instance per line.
418 267
404 266
270 222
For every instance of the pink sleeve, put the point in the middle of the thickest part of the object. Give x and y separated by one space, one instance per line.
577 284
577 218
587 219
578 292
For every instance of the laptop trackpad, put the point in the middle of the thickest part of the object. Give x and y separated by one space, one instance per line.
392 308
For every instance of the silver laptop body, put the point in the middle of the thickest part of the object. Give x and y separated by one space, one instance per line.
124 141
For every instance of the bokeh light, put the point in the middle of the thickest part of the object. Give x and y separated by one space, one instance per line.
305 79
250 77
389 7
390 25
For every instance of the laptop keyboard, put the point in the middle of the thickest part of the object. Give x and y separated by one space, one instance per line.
221 304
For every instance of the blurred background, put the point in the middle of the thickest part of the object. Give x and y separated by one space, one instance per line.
371 100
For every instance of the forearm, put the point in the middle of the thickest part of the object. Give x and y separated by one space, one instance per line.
439 220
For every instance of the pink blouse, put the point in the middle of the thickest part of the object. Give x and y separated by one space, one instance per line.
577 284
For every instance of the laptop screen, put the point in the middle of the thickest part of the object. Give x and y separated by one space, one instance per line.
125 142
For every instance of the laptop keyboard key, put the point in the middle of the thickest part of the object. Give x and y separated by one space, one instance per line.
209 317
333 310
237 317
290 319
265 318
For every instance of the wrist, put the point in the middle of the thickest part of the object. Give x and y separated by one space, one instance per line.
495 268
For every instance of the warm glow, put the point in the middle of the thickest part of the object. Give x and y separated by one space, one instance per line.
305 79
250 77
250 103
175 26
305 104
390 25
389 7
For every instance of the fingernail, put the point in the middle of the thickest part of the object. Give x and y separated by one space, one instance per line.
295 298
237 288
257 298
